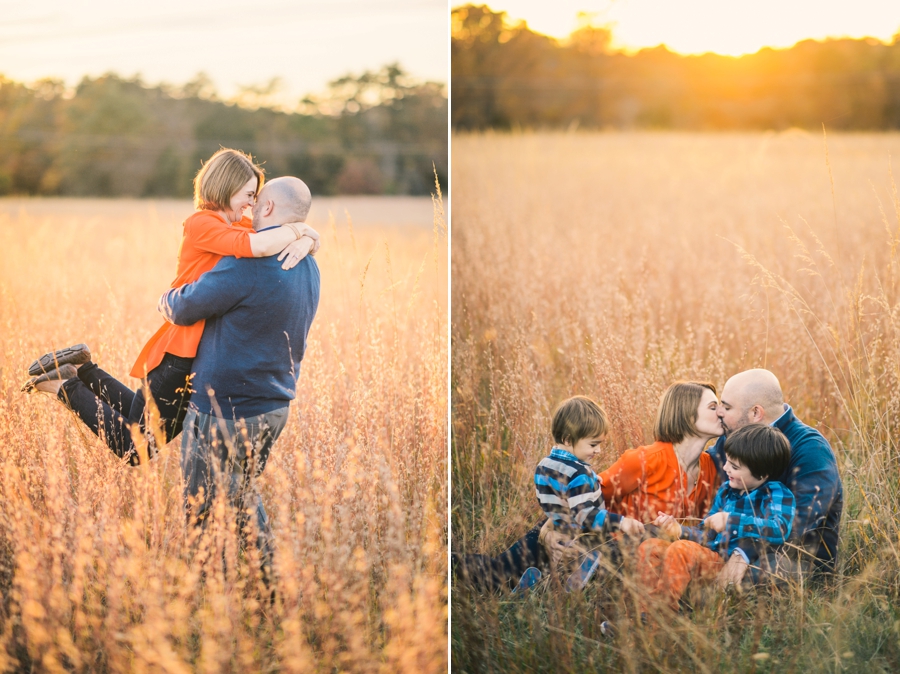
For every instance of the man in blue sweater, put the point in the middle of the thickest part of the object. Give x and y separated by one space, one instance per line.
245 373
755 396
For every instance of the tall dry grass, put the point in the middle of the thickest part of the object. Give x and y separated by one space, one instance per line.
98 570
614 264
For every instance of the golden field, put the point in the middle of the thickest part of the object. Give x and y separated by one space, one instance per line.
611 265
96 568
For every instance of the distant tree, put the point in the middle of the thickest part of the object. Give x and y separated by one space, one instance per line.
28 141
506 75
113 136
588 38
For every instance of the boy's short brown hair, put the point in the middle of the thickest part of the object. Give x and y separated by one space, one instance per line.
576 418
222 176
763 449
677 414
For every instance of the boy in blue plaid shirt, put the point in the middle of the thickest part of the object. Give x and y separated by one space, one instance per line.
750 513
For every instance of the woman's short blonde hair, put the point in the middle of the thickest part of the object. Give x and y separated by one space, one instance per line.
222 177
677 415
576 418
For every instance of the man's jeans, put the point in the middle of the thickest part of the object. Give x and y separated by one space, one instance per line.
109 408
228 455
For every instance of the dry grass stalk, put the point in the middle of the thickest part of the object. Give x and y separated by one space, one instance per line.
613 264
98 570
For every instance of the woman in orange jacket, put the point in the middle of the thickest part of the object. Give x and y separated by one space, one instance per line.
224 188
674 475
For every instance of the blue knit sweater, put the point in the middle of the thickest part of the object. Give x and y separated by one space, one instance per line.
257 319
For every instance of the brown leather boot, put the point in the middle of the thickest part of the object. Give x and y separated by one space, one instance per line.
76 355
63 372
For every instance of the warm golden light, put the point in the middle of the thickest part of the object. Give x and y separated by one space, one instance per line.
307 43
696 26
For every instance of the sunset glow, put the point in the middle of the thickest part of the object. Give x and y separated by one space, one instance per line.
304 43
697 26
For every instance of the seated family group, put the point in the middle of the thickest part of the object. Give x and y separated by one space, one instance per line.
763 502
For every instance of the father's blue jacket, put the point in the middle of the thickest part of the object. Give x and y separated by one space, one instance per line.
812 477
257 319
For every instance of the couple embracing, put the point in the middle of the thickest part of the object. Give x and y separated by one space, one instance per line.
767 495
224 365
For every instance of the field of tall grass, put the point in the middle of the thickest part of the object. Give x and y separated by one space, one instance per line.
613 264
98 570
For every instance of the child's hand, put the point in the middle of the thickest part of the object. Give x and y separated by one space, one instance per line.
668 524
716 522
631 527
559 546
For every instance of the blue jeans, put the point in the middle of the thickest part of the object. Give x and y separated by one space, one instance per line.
226 456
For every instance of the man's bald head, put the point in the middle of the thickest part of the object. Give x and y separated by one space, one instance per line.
752 396
282 200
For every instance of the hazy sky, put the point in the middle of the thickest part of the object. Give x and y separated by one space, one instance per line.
725 26
304 42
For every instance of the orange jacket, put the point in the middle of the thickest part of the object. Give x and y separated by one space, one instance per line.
207 239
648 479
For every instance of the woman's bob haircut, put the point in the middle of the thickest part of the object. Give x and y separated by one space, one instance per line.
226 172
677 415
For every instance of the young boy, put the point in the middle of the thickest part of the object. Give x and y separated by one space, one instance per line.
567 487
749 512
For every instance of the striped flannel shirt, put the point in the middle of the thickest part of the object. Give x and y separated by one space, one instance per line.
761 517
569 493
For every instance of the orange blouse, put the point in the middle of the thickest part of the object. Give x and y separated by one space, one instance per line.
649 479
207 239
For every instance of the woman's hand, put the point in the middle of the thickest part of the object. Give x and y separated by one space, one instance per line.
669 525
306 230
631 527
296 251
716 522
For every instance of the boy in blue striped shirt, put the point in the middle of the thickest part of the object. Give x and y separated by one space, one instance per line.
750 513
567 487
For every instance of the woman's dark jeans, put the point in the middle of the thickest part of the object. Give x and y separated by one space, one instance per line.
109 408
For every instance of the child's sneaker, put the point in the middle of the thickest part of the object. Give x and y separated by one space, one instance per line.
529 579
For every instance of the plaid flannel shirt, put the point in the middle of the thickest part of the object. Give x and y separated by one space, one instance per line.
761 517
813 479
569 493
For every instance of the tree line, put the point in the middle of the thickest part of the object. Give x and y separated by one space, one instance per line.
378 133
504 75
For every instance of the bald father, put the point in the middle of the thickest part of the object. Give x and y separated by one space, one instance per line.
755 396
257 317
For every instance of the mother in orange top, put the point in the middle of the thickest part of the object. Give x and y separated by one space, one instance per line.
674 475
224 188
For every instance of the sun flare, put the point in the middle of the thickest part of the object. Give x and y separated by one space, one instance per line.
699 26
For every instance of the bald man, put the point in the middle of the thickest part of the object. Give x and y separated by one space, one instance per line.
755 396
257 318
